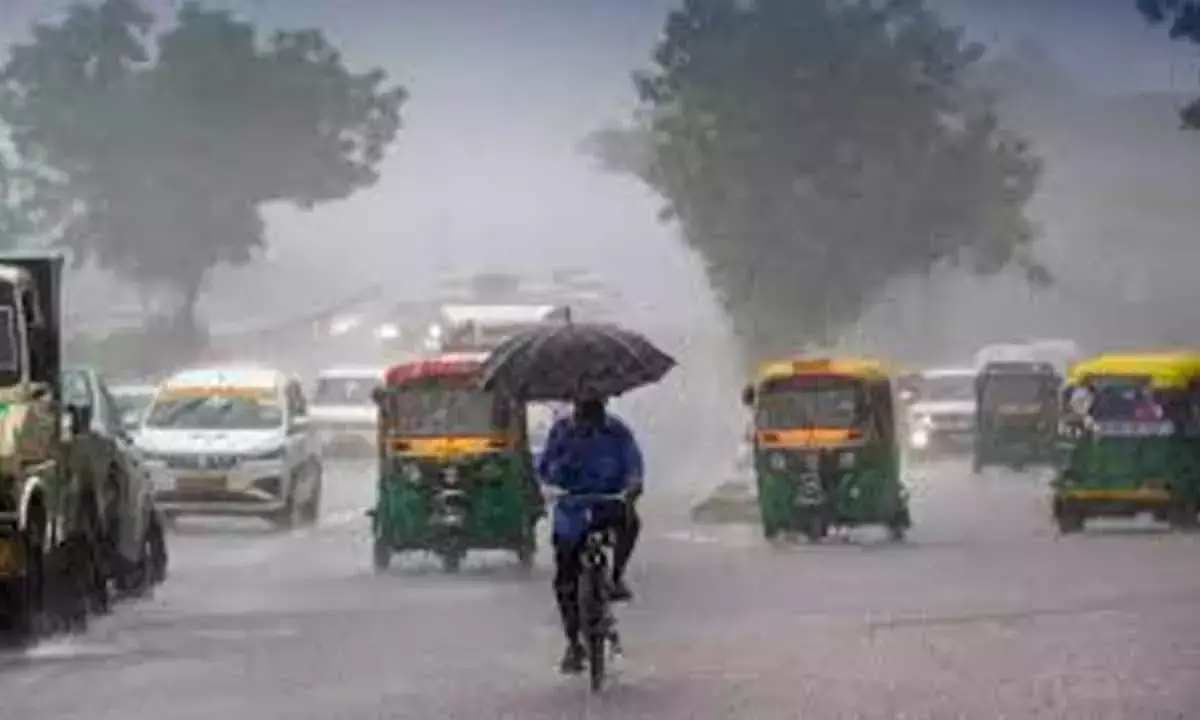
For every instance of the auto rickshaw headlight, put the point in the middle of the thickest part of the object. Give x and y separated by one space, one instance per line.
778 461
410 472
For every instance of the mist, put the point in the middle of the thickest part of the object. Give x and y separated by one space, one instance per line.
487 175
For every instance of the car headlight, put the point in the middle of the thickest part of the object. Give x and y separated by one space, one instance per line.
846 460
266 455
778 461
919 438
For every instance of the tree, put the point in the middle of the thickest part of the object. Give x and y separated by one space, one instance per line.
169 152
813 151
1182 18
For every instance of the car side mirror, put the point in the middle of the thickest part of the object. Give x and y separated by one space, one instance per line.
748 396
80 418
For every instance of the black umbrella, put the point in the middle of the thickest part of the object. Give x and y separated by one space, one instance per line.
565 361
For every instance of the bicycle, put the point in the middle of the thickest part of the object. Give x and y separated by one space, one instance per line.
594 592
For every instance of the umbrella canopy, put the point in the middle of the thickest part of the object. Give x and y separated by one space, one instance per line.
566 361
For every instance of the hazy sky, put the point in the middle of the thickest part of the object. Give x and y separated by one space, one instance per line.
485 172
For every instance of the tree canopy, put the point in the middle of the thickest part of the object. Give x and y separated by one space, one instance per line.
169 144
813 151
1182 18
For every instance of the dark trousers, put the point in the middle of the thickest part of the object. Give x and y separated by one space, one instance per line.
568 564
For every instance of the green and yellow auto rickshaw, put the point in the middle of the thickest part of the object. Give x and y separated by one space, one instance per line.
1016 415
825 447
1131 440
455 470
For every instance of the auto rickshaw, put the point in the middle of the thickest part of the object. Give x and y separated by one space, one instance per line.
1016 415
455 469
825 447
1131 440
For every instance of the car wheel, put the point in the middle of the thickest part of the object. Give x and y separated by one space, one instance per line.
312 508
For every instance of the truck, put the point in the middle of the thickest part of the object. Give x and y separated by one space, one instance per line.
50 530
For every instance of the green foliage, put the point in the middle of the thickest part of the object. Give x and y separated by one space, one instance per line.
171 144
1182 18
813 151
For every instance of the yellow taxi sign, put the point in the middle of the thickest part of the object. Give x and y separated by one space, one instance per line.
222 391
811 365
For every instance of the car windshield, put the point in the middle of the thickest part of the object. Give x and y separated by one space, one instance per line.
811 402
132 403
76 389
440 410
344 390
217 411
1120 398
942 388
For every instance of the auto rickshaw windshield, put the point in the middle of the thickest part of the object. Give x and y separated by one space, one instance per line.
1005 389
811 401
1121 398
439 407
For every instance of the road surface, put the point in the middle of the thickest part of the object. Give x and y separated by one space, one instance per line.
984 613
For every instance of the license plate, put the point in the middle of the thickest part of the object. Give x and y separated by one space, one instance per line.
200 483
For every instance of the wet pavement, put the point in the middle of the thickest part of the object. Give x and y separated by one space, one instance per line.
983 613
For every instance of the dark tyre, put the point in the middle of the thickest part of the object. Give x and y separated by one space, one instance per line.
899 525
815 528
91 555
452 561
1069 519
976 465
1183 515
24 597
311 511
381 555
596 643
288 517
159 558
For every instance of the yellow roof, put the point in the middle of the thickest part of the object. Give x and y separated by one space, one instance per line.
865 368
1165 369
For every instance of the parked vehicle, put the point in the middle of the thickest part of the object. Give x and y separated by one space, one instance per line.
135 548
50 530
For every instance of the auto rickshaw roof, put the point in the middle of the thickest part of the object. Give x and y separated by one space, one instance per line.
865 368
444 365
1165 369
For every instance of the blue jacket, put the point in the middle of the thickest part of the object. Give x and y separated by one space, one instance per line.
582 461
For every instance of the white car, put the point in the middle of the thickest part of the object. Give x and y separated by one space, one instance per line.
233 441
941 414
343 411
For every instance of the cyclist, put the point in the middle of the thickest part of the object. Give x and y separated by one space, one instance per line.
590 452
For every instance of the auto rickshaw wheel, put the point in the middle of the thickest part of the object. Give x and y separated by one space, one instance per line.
1182 516
815 528
976 465
899 525
1069 520
526 554
381 555
452 561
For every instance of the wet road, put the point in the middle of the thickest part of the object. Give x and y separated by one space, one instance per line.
982 614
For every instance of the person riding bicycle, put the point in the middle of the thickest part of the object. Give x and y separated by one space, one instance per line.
590 452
